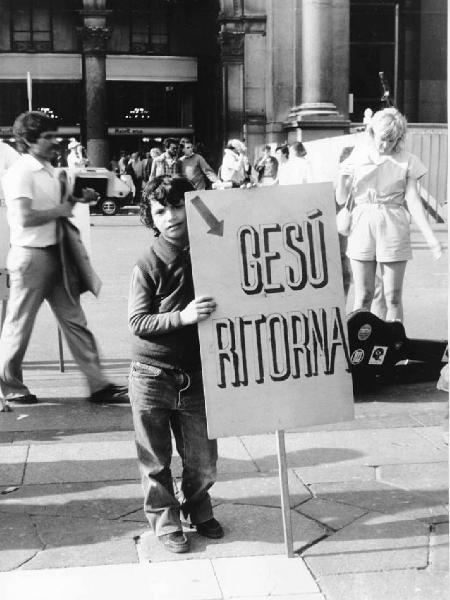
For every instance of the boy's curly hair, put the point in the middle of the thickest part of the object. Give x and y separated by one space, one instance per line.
165 190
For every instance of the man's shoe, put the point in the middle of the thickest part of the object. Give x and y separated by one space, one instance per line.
175 542
211 529
27 399
110 394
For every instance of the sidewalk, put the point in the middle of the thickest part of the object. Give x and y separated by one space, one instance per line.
368 498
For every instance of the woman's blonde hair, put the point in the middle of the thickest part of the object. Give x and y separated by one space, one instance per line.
391 126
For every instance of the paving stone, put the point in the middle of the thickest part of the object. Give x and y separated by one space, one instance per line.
68 463
336 473
299 596
331 514
378 497
435 435
260 489
233 457
263 575
395 585
67 436
193 580
430 418
249 531
12 464
80 542
67 411
381 446
108 500
301 450
19 541
439 547
432 480
372 543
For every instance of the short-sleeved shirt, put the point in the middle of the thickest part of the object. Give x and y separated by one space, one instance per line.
382 179
28 178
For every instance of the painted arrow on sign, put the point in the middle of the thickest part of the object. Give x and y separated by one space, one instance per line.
216 227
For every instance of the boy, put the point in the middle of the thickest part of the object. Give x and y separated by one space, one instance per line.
166 388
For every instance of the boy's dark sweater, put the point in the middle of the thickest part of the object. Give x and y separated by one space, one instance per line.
162 286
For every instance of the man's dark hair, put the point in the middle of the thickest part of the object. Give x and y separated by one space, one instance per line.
284 149
28 127
299 149
165 190
168 141
267 147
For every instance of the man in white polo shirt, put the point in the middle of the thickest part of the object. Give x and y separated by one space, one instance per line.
33 199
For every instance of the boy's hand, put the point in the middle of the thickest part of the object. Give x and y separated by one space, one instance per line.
197 310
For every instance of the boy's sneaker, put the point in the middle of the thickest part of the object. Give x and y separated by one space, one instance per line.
211 529
175 542
110 394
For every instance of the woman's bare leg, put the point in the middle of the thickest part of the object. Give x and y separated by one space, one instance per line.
364 282
393 274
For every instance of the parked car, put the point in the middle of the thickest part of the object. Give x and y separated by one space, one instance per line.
113 192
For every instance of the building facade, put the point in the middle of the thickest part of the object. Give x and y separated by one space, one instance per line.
120 75
125 75
301 69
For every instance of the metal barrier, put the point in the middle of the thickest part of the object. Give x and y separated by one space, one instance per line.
430 143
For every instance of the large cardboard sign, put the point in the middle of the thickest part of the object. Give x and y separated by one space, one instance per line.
324 154
275 351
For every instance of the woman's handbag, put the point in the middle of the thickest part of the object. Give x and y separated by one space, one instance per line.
344 216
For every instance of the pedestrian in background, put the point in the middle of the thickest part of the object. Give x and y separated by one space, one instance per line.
282 155
128 176
123 159
8 157
267 167
195 168
166 388
234 167
138 168
299 169
167 163
75 158
34 209
382 178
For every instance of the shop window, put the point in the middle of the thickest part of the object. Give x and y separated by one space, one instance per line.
374 39
139 104
31 26
149 27
62 100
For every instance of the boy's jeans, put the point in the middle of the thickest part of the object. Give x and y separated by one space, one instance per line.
161 400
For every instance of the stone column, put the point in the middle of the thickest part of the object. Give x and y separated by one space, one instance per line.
317 116
317 46
94 35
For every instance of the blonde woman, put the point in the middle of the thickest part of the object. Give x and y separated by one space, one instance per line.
383 180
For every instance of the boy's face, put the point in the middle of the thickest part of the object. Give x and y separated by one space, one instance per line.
171 222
